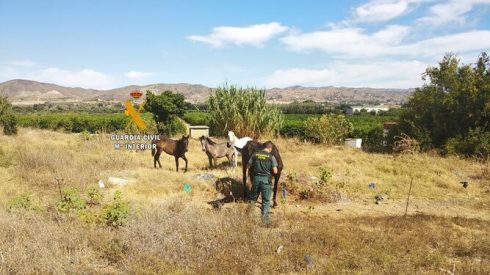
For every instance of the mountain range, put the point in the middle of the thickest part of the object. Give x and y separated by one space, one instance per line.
28 92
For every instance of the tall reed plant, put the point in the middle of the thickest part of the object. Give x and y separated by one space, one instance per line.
243 111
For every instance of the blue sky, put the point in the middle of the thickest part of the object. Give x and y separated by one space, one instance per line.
108 44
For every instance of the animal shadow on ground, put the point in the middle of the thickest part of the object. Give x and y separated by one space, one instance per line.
230 188
222 165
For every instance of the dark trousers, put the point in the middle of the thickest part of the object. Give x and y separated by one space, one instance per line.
262 185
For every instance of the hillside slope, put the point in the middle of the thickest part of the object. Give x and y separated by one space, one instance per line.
27 91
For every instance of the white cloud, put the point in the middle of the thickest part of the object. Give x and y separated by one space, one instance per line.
383 10
254 35
458 43
375 11
349 42
135 75
380 74
434 48
86 78
453 11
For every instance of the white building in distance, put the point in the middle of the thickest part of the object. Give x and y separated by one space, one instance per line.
368 109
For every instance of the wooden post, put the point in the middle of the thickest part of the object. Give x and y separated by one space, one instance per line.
408 197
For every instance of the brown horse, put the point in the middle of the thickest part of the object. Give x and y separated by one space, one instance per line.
176 148
251 147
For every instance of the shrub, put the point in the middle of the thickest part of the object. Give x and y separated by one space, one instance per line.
294 130
85 135
476 143
71 201
7 118
325 175
328 129
306 194
243 111
372 140
116 213
23 203
95 196
174 127
403 144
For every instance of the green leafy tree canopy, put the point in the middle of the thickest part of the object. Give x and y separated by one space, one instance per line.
453 104
166 108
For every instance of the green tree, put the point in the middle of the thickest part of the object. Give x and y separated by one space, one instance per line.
167 108
7 119
453 105
329 129
244 111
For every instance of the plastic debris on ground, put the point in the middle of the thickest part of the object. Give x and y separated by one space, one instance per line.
117 181
187 187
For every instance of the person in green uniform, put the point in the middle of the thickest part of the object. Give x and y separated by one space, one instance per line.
263 165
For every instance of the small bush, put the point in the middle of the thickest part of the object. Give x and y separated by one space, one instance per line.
292 176
294 130
7 119
404 144
306 194
23 203
90 216
9 122
174 127
117 213
476 143
71 201
372 140
325 175
328 129
95 196
85 135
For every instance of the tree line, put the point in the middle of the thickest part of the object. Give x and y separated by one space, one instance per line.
449 113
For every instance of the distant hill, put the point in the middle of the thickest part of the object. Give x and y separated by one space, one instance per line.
21 91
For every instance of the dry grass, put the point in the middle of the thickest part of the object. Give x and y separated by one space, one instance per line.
174 232
179 237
